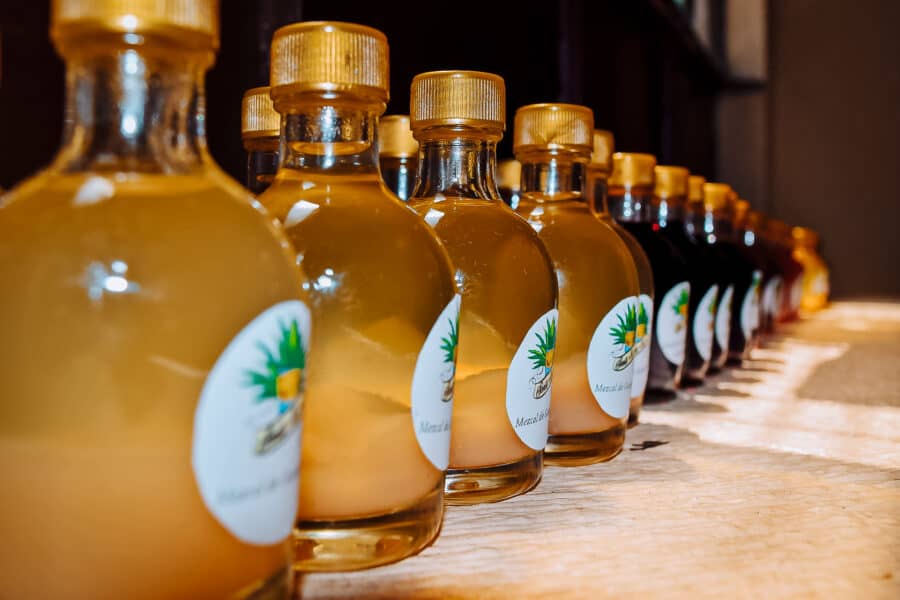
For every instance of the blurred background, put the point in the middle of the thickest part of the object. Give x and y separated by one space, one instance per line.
795 103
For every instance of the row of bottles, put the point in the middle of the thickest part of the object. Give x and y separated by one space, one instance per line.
430 345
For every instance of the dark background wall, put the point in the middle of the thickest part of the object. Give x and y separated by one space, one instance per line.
835 133
817 144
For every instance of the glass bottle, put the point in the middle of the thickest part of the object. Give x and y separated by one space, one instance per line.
748 225
508 321
166 404
595 190
379 396
710 223
598 287
671 189
509 181
398 154
632 203
815 283
791 271
259 135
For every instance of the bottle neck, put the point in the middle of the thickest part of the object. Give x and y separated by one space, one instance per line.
711 226
669 211
552 177
459 162
134 109
596 188
632 204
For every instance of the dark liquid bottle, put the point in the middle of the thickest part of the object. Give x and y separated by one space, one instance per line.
710 224
398 155
632 203
671 189
260 128
745 316
788 303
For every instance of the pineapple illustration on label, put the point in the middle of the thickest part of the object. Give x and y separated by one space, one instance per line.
642 339
610 357
432 386
723 318
704 323
671 323
247 426
750 307
529 379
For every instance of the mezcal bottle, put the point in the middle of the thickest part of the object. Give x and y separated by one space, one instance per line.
161 459
508 323
398 154
815 284
598 286
259 135
379 397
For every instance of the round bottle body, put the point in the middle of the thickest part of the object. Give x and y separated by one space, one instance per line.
379 282
116 284
509 298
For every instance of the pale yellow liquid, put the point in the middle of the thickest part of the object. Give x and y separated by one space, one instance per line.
815 277
596 272
98 396
507 283
645 286
380 280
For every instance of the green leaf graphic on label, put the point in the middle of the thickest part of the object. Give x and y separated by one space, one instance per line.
625 330
450 341
280 380
681 304
642 322
542 354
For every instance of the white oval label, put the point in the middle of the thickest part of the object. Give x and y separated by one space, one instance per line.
797 292
704 323
432 386
528 382
770 296
247 426
671 322
750 307
610 358
723 319
643 336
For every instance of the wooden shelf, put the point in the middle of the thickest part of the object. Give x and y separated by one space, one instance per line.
778 480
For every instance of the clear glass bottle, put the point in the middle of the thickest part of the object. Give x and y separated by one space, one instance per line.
596 180
259 135
379 396
672 189
508 321
398 154
598 286
126 472
509 181
632 203
815 282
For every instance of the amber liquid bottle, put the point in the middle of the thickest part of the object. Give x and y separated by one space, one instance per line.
509 181
632 203
595 190
672 189
383 297
398 154
598 287
815 284
259 134
168 308
508 322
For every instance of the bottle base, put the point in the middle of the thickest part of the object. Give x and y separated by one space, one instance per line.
634 411
495 483
584 448
659 395
354 544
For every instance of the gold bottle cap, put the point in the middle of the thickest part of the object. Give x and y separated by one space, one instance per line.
632 168
602 155
258 116
553 126
805 236
197 20
509 174
695 188
468 98
329 56
671 181
741 208
395 137
717 196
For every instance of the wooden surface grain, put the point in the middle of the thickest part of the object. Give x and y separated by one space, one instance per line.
780 480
